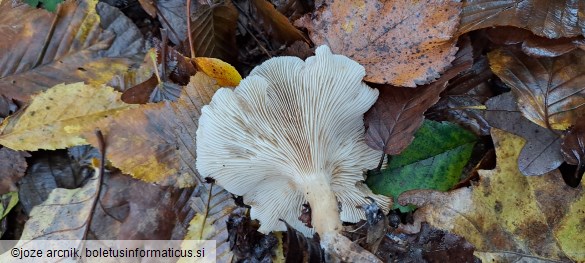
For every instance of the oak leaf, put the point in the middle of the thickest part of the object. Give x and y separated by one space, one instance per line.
399 42
541 153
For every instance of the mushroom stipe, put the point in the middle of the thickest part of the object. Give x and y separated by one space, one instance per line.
292 133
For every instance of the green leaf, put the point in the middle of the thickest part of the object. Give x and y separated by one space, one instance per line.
7 202
434 160
49 5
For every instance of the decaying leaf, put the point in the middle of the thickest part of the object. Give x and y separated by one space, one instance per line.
132 209
551 19
12 168
301 248
541 153
246 242
41 49
276 25
64 215
573 150
429 245
56 118
214 31
46 171
550 91
472 88
534 45
398 112
434 160
173 18
507 216
214 206
156 142
399 42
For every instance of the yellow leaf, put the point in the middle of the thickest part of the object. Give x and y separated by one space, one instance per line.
56 118
224 73
507 216
155 142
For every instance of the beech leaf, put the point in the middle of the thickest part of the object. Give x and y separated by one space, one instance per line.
551 19
156 142
550 91
69 46
56 118
399 42
214 31
276 25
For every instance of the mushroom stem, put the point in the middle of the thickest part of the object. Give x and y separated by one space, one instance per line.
324 207
327 223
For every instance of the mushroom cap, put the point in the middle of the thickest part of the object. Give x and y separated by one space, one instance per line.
289 119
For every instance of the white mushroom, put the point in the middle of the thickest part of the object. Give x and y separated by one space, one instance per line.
292 132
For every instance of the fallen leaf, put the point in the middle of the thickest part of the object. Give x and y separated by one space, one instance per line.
550 91
173 18
69 46
403 43
246 242
64 215
48 170
156 142
130 209
56 118
434 160
541 153
213 31
398 112
509 217
277 27
551 19
7 202
472 88
534 45
225 74
12 168
573 150
428 245
214 207
300 248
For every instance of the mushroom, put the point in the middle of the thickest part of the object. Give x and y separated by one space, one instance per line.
292 132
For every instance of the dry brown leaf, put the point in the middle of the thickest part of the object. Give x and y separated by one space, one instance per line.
12 168
541 153
156 142
399 42
551 19
509 217
214 31
42 49
573 150
276 25
56 118
399 111
534 45
550 91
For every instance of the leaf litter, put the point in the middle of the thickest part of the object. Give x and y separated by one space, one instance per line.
536 54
